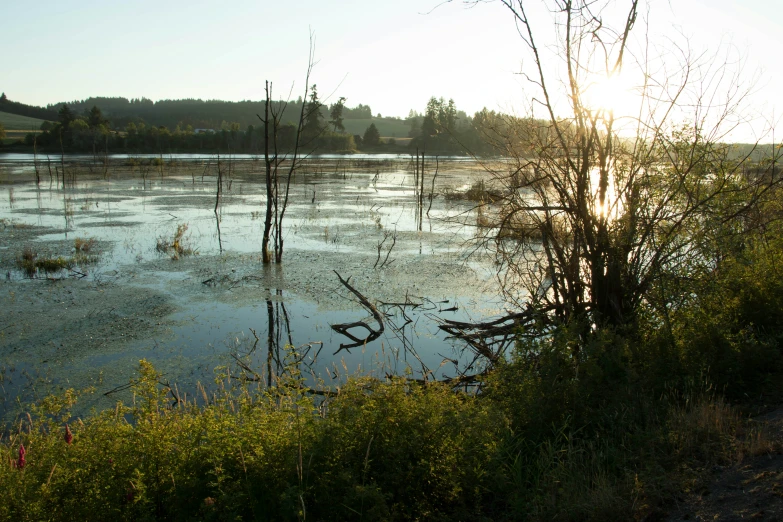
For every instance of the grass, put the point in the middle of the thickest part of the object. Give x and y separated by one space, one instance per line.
14 122
33 264
83 245
5 222
477 192
177 245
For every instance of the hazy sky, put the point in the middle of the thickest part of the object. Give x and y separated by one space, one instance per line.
392 55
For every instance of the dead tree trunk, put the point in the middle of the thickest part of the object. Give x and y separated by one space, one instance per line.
219 186
269 197
35 160
421 192
62 157
432 189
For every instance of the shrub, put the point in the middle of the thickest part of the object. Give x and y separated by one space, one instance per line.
177 246
376 450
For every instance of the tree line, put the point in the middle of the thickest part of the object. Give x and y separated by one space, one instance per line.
141 125
199 114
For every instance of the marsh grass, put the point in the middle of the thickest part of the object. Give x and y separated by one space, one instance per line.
177 246
478 192
32 264
5 222
83 245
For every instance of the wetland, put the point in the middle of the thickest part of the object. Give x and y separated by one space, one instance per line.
91 284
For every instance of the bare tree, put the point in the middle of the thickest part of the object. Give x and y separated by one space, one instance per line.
276 204
585 221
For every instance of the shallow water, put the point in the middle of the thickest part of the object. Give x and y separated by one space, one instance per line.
223 298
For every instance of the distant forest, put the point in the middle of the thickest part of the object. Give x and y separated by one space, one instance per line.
199 114
169 126
141 125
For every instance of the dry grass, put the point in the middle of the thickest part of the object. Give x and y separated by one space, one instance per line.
83 245
714 430
32 264
177 246
478 192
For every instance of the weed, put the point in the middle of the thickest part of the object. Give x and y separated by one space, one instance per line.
83 245
52 265
177 246
28 254
13 224
31 263
478 192
386 450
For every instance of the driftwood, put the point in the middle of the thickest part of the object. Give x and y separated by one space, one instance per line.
459 380
345 327
490 339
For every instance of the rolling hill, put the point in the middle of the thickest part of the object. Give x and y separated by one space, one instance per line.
15 122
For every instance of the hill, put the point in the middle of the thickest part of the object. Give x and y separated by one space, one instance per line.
19 123
22 109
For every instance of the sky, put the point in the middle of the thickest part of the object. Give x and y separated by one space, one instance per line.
392 56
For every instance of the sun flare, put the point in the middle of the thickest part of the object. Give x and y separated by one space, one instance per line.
616 94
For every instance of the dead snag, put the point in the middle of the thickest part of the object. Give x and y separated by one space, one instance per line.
345 327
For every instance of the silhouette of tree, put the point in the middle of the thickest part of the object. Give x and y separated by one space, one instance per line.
371 136
337 115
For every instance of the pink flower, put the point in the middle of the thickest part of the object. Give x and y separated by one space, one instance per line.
68 435
21 460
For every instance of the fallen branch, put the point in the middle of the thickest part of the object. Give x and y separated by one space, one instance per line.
449 381
484 337
343 328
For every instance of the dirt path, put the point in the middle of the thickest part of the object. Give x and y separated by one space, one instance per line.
750 490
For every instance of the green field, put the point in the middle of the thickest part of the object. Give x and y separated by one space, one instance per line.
22 123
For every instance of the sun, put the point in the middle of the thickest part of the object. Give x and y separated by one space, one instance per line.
616 94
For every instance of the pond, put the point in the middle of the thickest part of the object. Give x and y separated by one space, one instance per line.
121 298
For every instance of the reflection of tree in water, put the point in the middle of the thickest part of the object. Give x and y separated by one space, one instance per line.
399 319
281 354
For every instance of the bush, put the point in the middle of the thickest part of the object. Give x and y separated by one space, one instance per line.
376 451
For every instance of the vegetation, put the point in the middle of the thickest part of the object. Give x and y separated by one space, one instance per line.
81 244
33 264
177 246
136 126
540 443
648 274
21 109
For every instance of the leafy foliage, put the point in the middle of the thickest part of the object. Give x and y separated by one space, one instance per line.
377 451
